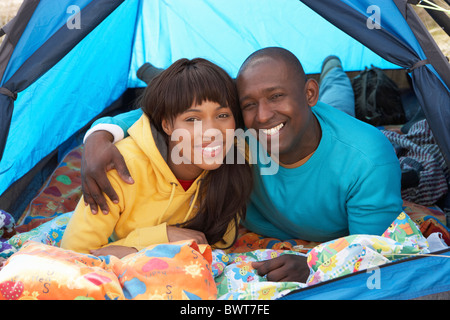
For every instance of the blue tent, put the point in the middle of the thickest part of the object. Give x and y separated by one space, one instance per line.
64 63
423 278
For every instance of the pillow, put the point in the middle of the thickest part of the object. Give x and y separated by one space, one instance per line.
175 271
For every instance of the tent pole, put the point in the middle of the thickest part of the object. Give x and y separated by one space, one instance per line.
441 19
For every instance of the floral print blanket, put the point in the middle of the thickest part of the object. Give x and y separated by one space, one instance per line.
158 270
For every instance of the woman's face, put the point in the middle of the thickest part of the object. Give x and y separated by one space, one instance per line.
202 135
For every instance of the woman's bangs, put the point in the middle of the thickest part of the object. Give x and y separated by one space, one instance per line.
207 85
188 83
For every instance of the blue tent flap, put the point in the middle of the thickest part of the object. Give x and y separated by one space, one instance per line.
73 91
405 279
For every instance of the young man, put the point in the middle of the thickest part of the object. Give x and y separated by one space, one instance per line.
336 175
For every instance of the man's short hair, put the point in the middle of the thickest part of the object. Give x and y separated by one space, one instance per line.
276 53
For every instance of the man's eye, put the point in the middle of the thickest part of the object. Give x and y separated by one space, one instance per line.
248 105
276 96
192 119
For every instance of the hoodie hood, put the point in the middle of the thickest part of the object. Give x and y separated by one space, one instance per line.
150 141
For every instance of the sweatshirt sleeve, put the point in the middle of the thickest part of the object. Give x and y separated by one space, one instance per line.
144 237
375 201
86 231
118 125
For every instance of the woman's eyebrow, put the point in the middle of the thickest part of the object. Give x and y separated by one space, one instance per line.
198 110
192 110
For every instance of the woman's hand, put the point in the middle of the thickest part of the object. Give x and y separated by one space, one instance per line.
173 233
178 234
99 156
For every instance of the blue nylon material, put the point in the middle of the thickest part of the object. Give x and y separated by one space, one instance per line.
390 19
395 24
48 17
406 280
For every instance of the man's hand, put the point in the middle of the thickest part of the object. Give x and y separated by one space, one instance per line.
118 251
288 267
99 156
2 263
178 234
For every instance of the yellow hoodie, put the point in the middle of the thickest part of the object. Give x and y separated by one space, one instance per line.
145 208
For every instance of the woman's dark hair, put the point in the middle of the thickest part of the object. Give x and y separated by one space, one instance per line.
224 191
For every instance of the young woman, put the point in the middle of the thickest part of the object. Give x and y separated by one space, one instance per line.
183 186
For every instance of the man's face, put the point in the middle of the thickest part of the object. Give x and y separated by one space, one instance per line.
273 102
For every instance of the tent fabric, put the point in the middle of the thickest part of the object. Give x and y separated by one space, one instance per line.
72 82
403 48
169 30
46 56
430 48
14 30
43 24
411 278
